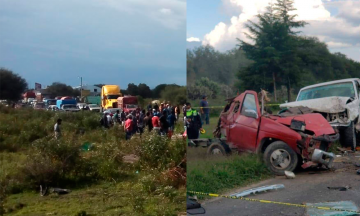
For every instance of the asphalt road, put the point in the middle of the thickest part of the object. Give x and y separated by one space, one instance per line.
307 187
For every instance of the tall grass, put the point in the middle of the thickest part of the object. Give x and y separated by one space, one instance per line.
30 156
213 174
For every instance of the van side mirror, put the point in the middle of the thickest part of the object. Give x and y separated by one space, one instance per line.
251 114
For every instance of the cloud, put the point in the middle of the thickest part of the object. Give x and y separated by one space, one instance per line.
350 11
333 44
193 39
165 11
169 13
338 31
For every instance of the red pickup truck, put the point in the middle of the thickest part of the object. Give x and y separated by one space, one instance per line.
285 140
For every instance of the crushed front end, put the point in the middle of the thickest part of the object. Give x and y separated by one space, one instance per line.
313 149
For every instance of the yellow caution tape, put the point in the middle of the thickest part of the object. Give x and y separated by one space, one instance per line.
273 202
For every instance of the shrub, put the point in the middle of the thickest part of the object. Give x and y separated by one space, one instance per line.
52 161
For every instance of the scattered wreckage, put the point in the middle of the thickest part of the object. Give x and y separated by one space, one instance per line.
338 101
286 140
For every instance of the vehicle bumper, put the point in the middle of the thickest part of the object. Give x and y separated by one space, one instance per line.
313 150
337 125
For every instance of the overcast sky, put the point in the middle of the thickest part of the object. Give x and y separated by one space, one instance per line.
104 41
220 22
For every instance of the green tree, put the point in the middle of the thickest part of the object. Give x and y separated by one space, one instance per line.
211 85
133 89
265 53
144 90
156 92
196 91
61 89
11 85
290 62
274 52
175 94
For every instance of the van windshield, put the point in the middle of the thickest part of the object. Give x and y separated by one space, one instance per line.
333 90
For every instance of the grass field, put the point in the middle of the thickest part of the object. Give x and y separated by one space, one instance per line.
101 181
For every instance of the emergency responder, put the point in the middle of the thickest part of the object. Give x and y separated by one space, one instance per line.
193 122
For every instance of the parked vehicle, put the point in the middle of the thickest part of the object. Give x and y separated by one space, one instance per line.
109 95
67 105
52 108
285 141
93 100
81 105
49 102
39 105
70 108
338 101
94 107
128 103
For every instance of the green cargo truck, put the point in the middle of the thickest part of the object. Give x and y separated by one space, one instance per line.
93 100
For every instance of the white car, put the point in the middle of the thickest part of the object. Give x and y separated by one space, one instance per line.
94 107
81 105
70 108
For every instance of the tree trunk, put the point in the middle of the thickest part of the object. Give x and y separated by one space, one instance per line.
274 81
289 90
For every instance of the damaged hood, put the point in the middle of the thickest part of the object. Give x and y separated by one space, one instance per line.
329 105
315 122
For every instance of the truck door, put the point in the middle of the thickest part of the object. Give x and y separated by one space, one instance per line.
231 124
247 123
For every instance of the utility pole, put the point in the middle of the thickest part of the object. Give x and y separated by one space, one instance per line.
80 88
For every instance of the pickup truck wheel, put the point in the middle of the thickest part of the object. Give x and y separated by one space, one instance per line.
348 136
279 157
218 149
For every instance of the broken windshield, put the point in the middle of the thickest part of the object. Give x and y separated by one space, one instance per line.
333 90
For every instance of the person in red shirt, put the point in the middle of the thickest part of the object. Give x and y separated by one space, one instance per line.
128 127
156 123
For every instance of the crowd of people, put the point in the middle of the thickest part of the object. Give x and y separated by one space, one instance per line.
158 118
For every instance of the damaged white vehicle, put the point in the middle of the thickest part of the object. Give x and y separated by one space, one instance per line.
338 101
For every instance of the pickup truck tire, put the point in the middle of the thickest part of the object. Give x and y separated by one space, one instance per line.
279 157
219 149
348 136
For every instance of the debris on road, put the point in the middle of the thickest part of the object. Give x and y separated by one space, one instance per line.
289 175
258 190
46 191
343 205
193 207
339 188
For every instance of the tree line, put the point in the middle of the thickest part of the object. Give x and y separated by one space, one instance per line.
277 57
12 86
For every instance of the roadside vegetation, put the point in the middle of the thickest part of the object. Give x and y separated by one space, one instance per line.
106 174
216 174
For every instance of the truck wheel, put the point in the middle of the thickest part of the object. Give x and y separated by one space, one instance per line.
218 149
279 157
348 136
